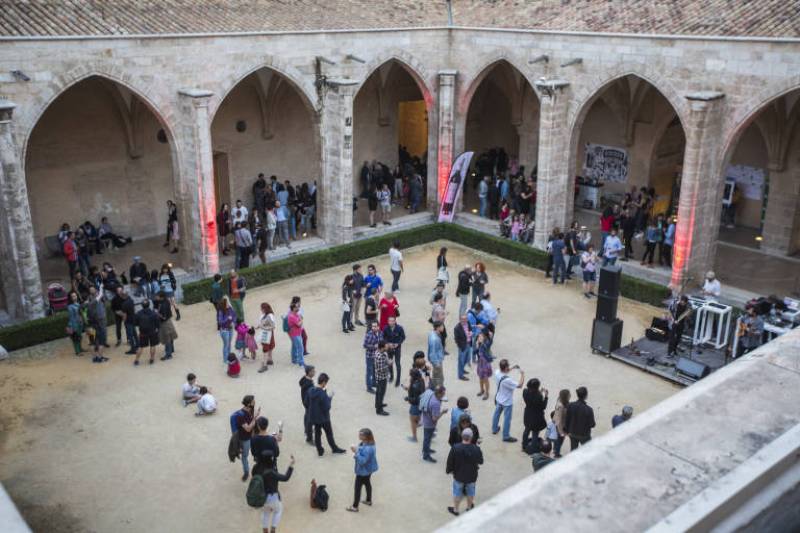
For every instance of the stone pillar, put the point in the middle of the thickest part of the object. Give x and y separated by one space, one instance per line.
335 196
702 183
783 210
197 198
554 187
19 265
446 102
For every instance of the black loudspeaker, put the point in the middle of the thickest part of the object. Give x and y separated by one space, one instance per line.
691 368
609 281
607 308
606 336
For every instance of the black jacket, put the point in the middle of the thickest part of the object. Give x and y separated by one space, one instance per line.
579 419
460 336
535 404
396 336
463 462
319 406
305 384
455 435
148 322
464 283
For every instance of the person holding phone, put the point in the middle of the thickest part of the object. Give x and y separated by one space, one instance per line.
504 398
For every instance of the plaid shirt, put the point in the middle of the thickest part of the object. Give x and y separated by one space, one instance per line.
371 341
381 366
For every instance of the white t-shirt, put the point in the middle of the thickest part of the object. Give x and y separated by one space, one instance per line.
505 388
240 214
712 288
395 257
189 391
207 403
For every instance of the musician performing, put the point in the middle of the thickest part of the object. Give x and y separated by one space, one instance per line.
679 311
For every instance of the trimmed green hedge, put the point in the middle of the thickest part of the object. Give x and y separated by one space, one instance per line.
53 327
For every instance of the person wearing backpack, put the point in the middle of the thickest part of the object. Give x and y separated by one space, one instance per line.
504 398
416 387
431 406
264 488
366 464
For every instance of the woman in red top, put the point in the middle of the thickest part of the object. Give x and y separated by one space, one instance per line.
607 220
389 306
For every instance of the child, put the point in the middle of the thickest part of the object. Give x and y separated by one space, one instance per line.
516 227
589 266
241 337
207 404
552 431
233 365
250 341
190 390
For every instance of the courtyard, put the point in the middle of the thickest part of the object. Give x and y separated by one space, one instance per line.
110 447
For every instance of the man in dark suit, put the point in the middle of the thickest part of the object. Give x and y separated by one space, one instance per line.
319 413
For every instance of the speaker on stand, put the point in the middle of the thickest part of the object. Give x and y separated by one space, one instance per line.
606 328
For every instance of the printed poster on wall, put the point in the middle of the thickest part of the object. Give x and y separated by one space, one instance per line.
605 163
749 180
458 173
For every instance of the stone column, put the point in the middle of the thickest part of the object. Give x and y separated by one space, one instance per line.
702 183
446 102
335 196
197 198
19 265
783 210
553 187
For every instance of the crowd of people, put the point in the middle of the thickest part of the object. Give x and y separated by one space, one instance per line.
383 188
367 303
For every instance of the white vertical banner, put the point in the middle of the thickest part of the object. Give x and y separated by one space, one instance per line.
458 173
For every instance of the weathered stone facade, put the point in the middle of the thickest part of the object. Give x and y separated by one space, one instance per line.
447 65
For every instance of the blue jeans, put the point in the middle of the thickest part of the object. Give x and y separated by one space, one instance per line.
245 455
395 279
292 227
484 206
603 236
427 436
226 335
609 261
559 267
370 374
130 333
297 350
506 410
463 358
169 348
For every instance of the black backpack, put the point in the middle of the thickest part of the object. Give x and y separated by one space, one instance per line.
321 498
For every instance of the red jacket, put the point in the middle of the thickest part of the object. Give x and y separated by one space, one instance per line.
70 250
606 223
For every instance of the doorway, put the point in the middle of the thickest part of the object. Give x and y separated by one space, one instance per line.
222 182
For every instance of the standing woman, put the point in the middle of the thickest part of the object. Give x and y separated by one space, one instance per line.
167 284
372 204
226 318
75 322
172 215
441 266
166 331
366 464
484 368
347 304
224 226
416 387
560 419
535 403
479 281
175 236
267 327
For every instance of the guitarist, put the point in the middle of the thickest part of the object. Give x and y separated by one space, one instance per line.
679 312
750 332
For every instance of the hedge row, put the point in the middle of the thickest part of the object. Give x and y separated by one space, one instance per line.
53 327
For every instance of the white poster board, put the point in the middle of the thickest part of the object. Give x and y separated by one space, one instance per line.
749 180
605 163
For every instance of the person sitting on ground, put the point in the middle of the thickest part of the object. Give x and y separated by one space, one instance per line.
542 458
627 413
190 390
106 233
207 404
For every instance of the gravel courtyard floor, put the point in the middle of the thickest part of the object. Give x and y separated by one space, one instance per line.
110 448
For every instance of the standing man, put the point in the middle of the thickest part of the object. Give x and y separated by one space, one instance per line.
504 398
431 413
395 265
711 287
372 339
381 375
127 313
463 288
436 354
679 313
558 250
394 335
148 323
571 241
751 332
239 213
462 333
358 293
611 248
282 222
237 287
306 383
244 420
319 412
665 252
373 280
483 196
579 420
463 462
244 244
96 313
166 330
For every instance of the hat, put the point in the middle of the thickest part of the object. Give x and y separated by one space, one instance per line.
710 274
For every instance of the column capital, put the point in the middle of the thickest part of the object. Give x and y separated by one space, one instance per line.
703 99
6 110
344 86
447 77
550 87
195 93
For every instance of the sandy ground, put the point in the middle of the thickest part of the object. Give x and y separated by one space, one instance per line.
110 448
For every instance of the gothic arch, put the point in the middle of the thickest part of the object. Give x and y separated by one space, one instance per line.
477 77
156 101
289 73
410 64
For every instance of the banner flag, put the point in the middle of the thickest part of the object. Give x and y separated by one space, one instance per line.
458 173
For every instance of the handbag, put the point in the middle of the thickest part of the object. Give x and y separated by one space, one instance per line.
345 307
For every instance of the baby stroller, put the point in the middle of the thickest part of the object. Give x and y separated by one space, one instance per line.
57 297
